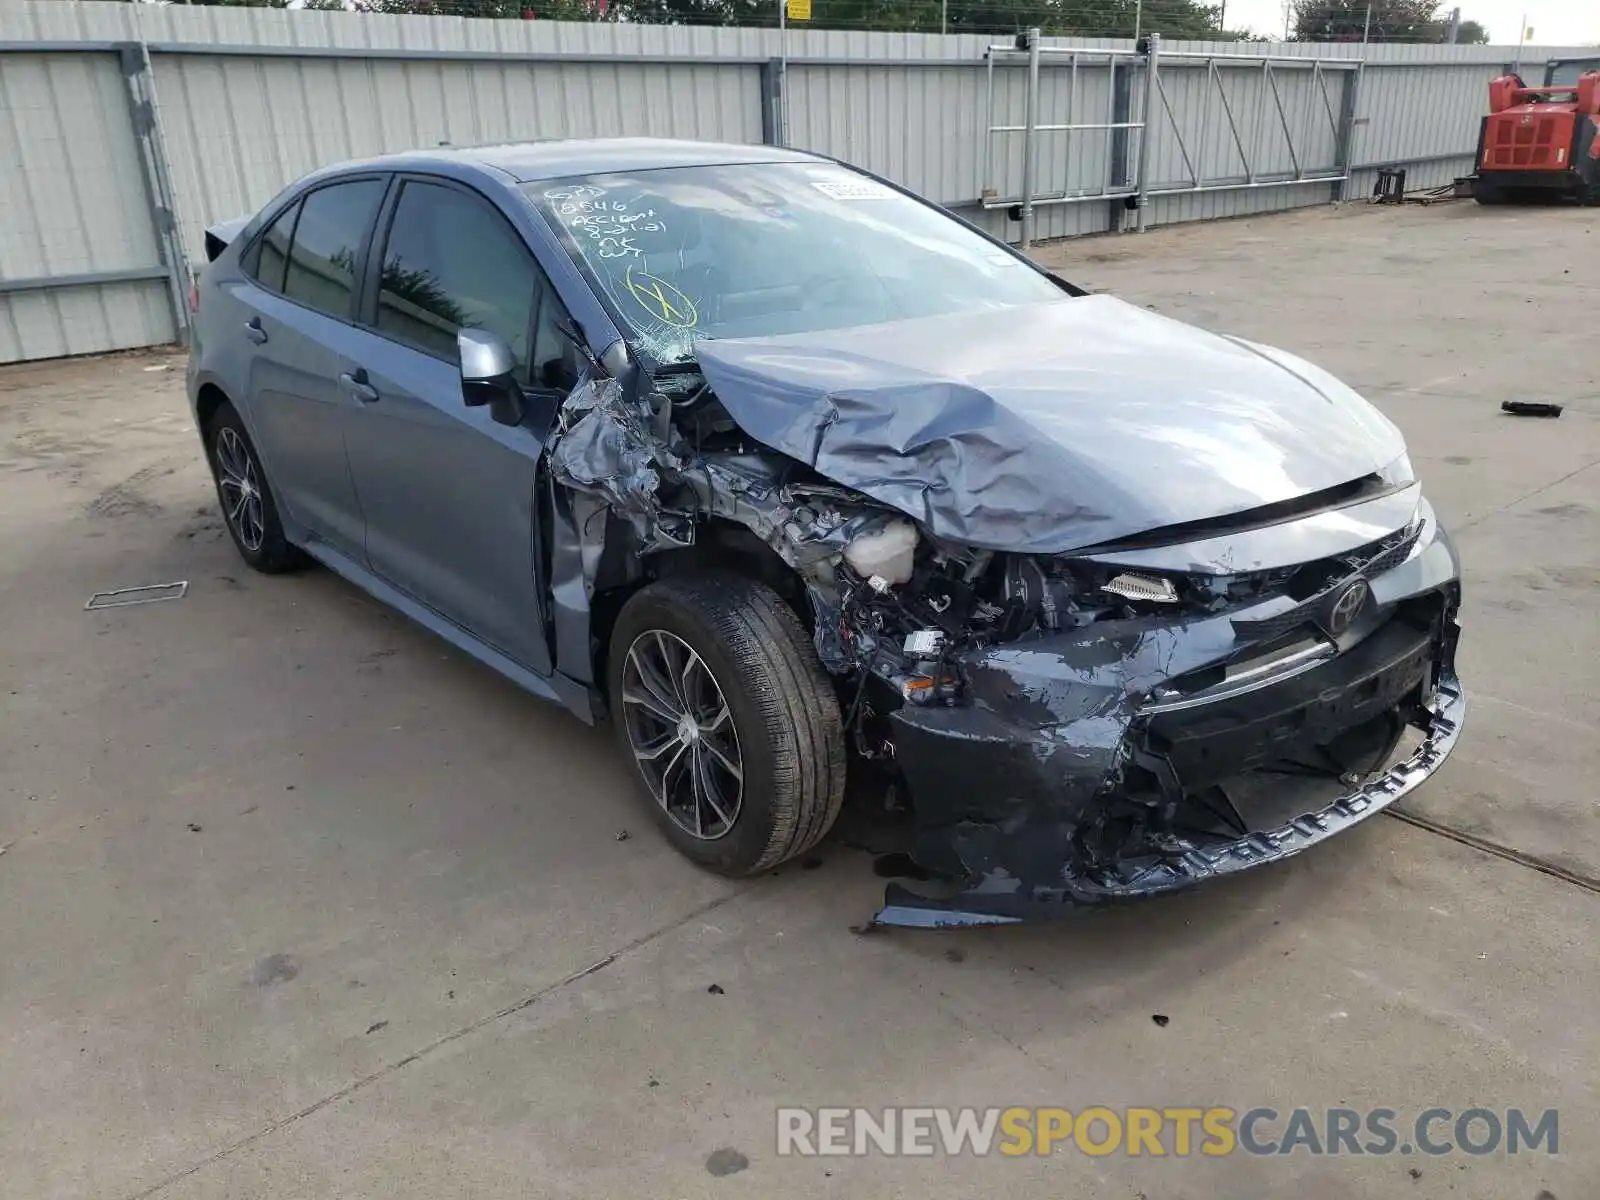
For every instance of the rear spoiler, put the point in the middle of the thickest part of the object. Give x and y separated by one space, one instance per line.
221 234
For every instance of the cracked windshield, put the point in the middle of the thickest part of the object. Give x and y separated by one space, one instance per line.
757 250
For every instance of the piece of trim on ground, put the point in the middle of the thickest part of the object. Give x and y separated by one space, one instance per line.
150 593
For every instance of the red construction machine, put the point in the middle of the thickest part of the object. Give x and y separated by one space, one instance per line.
1542 141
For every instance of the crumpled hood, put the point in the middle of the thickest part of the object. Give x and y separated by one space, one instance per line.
1051 427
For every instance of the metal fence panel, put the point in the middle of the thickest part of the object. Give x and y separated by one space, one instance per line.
917 127
239 128
73 204
1422 112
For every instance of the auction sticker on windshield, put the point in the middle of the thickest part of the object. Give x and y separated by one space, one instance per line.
852 189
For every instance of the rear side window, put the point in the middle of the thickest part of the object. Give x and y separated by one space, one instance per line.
452 262
270 255
327 239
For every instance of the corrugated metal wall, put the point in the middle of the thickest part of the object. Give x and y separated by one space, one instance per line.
250 98
1435 139
238 129
72 202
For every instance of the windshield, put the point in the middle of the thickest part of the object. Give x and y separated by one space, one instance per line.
754 250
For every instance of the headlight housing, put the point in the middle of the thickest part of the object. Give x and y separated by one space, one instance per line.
1398 474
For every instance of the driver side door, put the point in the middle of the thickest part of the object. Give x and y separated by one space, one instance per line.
451 497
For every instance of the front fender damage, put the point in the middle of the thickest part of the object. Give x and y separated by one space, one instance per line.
617 454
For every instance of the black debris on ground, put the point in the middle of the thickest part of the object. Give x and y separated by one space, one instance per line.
726 1161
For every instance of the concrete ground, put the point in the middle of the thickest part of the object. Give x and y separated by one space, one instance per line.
296 901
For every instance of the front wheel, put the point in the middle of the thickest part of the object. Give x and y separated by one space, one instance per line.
729 720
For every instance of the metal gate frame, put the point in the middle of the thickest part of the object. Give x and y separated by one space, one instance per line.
1135 193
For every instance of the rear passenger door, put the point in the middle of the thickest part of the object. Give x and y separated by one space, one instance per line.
300 319
449 495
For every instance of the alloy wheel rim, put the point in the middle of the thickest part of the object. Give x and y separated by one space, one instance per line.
240 484
682 734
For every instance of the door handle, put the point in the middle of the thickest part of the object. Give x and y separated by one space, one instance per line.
253 331
355 382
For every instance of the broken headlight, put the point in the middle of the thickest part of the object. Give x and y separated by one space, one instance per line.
1398 474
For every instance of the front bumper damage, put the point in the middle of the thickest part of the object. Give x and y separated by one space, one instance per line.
1052 789
1001 897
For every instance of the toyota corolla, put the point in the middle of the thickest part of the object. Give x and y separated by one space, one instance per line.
789 475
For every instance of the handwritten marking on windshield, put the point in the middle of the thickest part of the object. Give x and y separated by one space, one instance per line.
605 222
661 300
581 192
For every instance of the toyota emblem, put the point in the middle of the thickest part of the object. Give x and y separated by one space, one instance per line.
1347 607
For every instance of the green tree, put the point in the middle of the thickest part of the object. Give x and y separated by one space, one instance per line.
1391 21
1086 18
1471 33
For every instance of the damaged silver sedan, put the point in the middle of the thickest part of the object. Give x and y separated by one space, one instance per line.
793 477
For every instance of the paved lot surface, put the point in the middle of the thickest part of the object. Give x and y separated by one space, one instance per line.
298 902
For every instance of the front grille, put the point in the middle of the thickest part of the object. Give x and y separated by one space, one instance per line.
1205 744
1317 582
1389 552
1528 142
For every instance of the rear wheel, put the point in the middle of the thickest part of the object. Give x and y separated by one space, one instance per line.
1589 197
729 720
248 506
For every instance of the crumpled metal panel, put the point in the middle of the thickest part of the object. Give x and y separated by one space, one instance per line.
605 446
1051 427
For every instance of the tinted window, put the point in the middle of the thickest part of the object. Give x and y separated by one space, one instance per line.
327 238
750 250
271 252
452 263
1567 74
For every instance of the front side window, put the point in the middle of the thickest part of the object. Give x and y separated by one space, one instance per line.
451 263
758 249
327 239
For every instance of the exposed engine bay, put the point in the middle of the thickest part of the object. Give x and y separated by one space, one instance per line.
1055 718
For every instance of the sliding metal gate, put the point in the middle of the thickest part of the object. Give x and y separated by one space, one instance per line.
1127 127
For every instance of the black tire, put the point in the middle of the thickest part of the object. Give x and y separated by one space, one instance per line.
1589 197
784 714
1485 194
254 525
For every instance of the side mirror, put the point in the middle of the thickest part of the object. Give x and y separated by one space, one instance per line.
488 375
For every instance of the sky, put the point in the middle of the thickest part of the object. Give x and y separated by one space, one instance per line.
1554 22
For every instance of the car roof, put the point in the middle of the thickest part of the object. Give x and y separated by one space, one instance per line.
558 157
